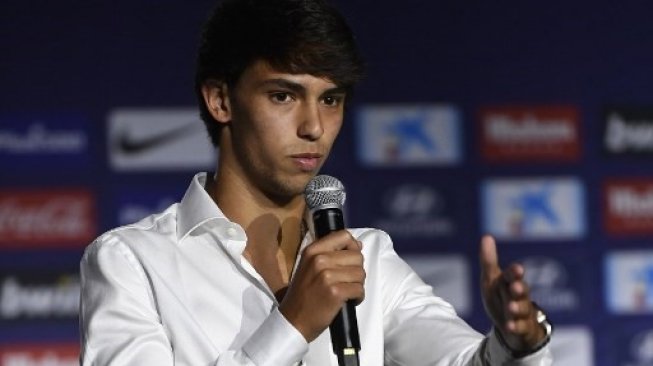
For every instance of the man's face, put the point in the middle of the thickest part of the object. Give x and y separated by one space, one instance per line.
282 128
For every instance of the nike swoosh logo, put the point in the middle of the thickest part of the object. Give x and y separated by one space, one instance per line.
130 145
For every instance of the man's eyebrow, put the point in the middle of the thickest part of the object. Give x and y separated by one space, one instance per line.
299 88
336 90
284 83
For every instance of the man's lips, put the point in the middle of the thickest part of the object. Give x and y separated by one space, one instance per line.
307 161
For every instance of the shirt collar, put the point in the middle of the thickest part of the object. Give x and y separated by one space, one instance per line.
196 208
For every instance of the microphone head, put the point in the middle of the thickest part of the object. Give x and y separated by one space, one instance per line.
324 191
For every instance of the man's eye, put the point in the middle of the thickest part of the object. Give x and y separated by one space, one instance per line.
332 101
280 97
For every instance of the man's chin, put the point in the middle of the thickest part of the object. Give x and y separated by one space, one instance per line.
290 189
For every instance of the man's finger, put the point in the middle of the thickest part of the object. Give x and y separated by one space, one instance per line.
519 309
519 327
346 274
518 290
489 258
341 258
337 240
514 272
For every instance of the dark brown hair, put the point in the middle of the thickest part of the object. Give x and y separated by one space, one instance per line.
295 36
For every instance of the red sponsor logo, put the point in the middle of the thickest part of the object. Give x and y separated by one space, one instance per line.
628 206
522 133
35 354
46 218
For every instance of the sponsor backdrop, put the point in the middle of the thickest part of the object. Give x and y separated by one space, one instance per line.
531 122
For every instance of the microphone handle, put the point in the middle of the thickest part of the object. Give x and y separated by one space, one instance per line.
328 220
347 345
344 327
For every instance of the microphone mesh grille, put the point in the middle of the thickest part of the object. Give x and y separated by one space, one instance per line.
324 190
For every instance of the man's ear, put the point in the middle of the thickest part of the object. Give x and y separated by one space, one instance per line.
216 98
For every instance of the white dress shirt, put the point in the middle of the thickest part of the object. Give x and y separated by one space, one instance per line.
175 289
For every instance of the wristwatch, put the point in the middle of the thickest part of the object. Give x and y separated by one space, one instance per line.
544 322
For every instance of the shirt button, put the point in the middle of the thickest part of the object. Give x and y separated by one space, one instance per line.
231 232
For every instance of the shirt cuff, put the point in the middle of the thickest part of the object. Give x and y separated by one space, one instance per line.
498 354
276 342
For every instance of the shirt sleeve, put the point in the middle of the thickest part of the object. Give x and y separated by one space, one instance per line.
276 342
497 354
423 329
120 325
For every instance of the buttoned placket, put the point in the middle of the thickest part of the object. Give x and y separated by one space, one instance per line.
235 241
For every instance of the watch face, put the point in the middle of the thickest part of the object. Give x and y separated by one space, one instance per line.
543 321
548 327
540 316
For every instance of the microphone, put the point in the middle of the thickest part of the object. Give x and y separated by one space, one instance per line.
325 196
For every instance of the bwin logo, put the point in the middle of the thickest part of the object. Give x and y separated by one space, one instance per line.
628 135
544 273
412 200
641 347
532 205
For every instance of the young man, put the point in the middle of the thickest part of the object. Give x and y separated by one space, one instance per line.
231 275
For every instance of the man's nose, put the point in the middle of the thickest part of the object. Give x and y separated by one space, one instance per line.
311 126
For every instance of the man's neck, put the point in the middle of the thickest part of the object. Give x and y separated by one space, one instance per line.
274 231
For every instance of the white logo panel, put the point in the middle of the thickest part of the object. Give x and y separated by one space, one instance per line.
449 275
641 348
159 139
629 282
572 346
534 209
409 135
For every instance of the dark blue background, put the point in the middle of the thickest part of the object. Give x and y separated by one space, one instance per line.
84 58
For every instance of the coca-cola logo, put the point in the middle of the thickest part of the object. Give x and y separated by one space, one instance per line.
39 354
46 218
